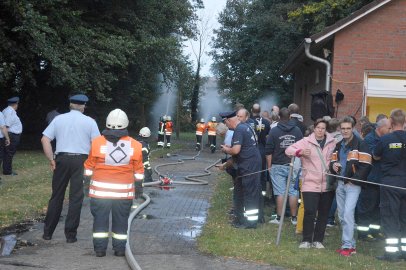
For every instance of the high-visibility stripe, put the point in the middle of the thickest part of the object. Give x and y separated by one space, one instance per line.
139 176
144 149
119 236
168 133
374 227
263 193
103 149
168 144
110 185
392 249
199 133
100 235
365 158
212 133
392 241
252 218
111 194
251 212
160 143
134 206
403 240
88 172
362 228
198 143
403 248
146 163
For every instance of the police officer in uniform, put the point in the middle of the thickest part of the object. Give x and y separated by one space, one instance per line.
14 128
114 164
391 150
248 160
73 132
4 137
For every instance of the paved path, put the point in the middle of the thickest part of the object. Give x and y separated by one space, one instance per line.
163 237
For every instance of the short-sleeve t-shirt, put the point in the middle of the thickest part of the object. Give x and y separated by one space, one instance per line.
393 166
249 158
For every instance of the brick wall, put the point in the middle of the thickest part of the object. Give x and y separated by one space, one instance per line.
376 42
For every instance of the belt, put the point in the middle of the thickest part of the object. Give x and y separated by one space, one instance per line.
70 154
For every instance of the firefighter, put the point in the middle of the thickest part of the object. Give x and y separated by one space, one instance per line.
142 137
201 128
168 131
391 151
211 131
161 131
114 163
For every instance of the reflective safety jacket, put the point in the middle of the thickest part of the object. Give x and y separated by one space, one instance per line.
161 127
168 128
211 127
114 168
358 163
201 128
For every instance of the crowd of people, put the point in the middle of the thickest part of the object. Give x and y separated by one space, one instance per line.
361 174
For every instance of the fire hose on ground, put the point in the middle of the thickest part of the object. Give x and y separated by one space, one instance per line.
162 181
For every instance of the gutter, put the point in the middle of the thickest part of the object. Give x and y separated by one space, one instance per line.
307 43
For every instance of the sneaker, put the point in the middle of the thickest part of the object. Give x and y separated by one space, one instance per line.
331 224
305 245
293 220
274 221
318 245
347 252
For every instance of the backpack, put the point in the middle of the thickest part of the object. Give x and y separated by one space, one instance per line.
322 105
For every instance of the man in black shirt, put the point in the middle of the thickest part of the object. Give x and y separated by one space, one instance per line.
391 150
280 137
248 160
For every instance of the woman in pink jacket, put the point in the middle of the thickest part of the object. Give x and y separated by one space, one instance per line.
317 189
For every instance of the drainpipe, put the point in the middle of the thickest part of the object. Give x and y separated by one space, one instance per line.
318 59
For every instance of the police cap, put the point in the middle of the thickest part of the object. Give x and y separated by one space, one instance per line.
79 99
225 115
13 100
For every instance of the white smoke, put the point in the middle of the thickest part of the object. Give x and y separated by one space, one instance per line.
210 102
267 102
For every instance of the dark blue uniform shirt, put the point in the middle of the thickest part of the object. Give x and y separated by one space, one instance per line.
393 166
249 159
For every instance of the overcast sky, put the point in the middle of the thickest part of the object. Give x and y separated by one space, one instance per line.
210 13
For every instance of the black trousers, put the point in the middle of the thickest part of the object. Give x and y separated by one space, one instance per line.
2 146
168 140
238 199
251 189
393 212
199 142
316 203
161 139
68 169
368 209
9 152
120 211
212 140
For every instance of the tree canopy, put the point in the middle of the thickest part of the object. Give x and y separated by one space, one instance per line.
256 37
110 50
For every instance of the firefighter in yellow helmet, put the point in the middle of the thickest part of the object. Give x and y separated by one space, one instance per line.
114 163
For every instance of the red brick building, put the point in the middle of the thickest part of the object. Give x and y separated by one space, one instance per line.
367 53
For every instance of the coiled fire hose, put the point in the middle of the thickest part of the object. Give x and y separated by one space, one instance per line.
163 180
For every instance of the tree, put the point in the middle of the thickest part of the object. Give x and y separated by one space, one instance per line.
257 36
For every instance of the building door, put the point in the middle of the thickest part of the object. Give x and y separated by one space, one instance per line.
384 92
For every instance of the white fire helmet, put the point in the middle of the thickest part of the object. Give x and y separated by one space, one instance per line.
164 117
145 132
169 118
213 119
201 120
117 119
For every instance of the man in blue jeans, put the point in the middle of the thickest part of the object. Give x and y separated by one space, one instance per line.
351 159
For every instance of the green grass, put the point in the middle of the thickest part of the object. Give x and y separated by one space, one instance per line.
219 238
26 195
